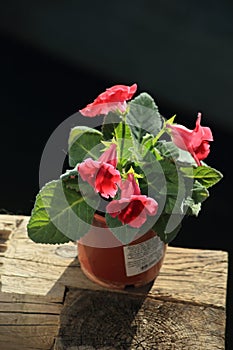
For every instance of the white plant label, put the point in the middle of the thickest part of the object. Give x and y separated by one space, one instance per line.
142 256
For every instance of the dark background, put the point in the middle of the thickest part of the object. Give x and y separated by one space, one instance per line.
58 56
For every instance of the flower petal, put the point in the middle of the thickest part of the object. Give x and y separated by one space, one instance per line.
109 156
134 210
129 187
110 100
88 170
151 206
194 141
106 180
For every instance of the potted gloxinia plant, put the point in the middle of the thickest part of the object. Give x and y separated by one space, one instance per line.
130 182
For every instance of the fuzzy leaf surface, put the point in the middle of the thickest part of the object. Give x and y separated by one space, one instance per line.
60 214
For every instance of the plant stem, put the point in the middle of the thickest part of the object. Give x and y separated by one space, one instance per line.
122 138
161 132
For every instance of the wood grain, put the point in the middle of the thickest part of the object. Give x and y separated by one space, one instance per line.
118 321
46 302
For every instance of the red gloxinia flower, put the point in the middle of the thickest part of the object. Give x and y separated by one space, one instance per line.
195 141
133 207
110 100
102 175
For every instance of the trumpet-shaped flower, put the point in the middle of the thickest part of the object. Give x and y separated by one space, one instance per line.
195 141
110 100
132 208
102 174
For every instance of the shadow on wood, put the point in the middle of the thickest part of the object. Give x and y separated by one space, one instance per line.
103 320
98 319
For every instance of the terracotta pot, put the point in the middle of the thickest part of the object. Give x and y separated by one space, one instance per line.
106 261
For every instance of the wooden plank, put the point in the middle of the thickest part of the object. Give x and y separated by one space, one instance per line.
21 247
43 288
6 229
11 220
198 276
117 321
27 321
33 337
49 290
39 308
31 269
46 254
54 297
23 319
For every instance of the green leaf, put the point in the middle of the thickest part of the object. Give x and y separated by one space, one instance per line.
71 183
173 187
82 143
171 120
167 149
154 178
193 208
164 224
70 179
199 192
144 117
125 143
124 233
60 214
111 120
69 174
206 175
185 158
147 145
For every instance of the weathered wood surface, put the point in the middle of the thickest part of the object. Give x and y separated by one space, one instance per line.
47 303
